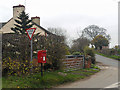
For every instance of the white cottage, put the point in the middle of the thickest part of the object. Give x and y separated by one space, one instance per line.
5 27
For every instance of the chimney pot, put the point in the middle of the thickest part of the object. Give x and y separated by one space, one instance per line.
36 20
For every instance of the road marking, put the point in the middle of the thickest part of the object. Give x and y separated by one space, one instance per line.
115 85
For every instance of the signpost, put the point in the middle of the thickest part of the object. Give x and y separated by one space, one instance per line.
30 33
41 53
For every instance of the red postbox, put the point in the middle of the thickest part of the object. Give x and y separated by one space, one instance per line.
42 56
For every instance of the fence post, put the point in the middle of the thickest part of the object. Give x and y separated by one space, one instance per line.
83 61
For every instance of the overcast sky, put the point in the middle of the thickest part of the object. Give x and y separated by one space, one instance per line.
71 15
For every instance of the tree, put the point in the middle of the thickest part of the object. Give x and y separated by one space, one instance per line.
100 41
55 46
79 44
93 30
22 23
116 47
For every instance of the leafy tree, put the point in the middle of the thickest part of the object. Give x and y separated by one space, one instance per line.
100 41
55 46
22 23
79 44
116 47
57 31
93 30
56 50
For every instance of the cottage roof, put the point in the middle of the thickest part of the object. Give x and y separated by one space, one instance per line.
4 23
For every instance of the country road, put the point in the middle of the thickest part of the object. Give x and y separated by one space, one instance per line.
106 78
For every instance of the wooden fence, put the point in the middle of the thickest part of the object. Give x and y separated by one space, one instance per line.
76 62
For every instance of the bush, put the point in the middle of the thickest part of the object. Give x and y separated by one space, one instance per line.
54 44
105 51
17 68
90 51
76 53
113 51
118 51
12 46
108 52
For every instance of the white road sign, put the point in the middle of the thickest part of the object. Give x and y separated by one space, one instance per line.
30 32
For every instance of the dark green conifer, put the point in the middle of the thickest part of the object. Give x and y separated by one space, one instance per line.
22 23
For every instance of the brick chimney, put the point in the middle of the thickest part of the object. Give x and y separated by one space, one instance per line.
36 20
17 10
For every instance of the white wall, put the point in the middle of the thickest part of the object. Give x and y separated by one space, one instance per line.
7 28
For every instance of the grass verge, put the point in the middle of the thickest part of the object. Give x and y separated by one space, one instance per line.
112 56
49 80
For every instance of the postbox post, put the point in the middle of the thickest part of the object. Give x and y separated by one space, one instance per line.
42 58
41 70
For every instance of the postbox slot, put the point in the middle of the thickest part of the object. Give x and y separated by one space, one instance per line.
42 56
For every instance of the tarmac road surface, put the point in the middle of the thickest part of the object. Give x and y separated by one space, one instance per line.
106 78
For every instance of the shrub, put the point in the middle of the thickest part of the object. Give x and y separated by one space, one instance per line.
105 51
53 43
113 51
90 51
56 50
76 53
17 68
12 46
118 51
108 52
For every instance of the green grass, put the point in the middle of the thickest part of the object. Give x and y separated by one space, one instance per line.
115 57
112 56
49 80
